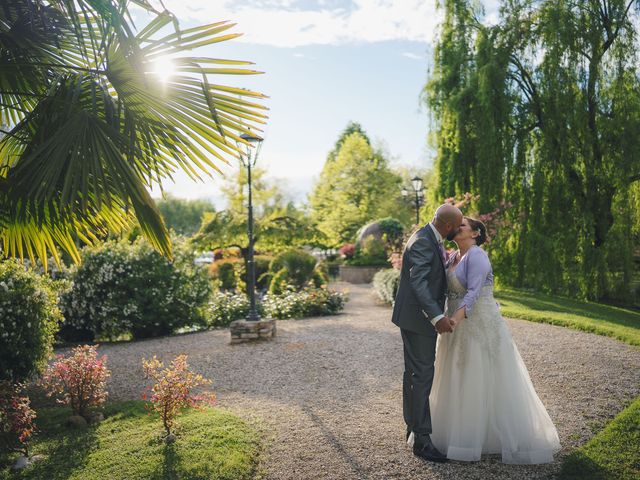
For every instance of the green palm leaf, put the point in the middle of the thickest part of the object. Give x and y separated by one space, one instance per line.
88 126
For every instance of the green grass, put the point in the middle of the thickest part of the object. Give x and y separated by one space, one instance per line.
613 453
211 444
620 323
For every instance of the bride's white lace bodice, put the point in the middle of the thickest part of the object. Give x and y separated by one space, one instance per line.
483 324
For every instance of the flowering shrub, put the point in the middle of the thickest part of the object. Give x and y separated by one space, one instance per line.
395 259
347 250
79 380
309 302
173 389
385 284
371 253
121 288
225 307
16 417
29 318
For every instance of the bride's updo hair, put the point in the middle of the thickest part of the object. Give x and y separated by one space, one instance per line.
478 226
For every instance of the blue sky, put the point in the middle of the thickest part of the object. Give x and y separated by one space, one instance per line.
325 63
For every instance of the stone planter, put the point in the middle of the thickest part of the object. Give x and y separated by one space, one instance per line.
243 331
353 274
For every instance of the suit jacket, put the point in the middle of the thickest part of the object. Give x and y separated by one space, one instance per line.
423 284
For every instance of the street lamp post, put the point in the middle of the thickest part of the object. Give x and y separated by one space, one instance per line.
248 161
418 195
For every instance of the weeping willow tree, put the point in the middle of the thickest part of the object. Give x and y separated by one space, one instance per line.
542 110
94 111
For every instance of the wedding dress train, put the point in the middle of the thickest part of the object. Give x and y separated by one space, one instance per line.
482 399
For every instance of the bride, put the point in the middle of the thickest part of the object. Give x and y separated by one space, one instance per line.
482 397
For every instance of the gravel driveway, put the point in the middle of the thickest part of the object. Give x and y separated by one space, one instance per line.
327 391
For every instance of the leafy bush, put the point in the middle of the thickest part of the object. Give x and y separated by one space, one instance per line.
121 288
225 272
225 307
393 232
348 250
372 253
79 380
295 268
16 417
310 302
172 389
385 284
29 318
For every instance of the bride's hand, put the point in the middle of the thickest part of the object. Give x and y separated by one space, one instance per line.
458 316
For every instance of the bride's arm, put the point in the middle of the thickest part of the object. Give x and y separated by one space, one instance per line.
478 267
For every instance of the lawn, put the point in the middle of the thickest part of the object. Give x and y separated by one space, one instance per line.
620 323
615 451
211 444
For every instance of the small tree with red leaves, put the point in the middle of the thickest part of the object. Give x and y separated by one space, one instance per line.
16 418
79 380
172 390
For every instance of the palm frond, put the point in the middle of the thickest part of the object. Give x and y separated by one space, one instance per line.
88 126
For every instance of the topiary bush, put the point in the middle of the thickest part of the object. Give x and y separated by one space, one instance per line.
123 288
385 284
29 319
295 268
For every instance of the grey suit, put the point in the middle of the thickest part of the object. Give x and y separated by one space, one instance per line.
423 285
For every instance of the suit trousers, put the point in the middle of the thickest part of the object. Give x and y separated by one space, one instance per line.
419 358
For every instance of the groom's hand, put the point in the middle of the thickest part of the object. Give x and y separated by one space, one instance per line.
444 325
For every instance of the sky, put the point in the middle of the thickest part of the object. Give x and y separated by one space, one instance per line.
326 63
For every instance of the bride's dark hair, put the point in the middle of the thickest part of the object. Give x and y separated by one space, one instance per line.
478 226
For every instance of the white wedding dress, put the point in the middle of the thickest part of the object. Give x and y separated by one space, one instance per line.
482 400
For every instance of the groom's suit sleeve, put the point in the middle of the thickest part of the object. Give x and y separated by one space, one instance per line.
422 256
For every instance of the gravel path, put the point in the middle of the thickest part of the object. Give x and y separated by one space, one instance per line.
328 390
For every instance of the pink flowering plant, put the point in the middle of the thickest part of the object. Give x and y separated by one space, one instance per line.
172 390
348 250
17 418
78 380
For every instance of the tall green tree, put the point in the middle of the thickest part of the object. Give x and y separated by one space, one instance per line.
355 187
184 216
541 110
90 124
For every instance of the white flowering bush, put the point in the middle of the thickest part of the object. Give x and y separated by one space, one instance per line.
225 307
29 318
385 284
130 288
308 302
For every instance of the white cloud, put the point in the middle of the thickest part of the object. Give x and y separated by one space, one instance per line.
285 23
412 56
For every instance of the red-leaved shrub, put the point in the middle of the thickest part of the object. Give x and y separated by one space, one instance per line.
79 380
16 417
172 390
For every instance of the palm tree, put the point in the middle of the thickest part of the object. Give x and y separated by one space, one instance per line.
89 124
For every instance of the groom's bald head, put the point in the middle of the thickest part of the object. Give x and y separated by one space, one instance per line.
447 220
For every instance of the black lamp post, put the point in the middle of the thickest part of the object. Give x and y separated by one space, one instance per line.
248 159
418 195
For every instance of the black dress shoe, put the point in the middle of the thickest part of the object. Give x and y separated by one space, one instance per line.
427 451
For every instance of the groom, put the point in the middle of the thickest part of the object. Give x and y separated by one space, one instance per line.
419 312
